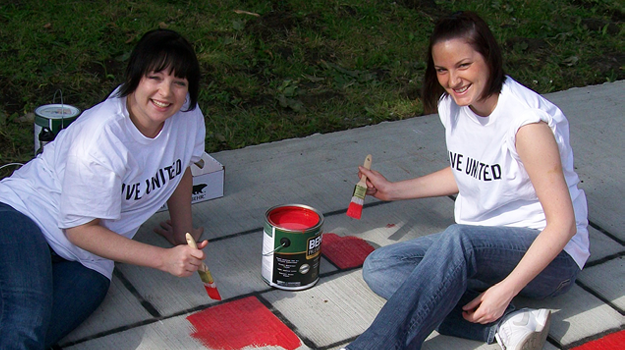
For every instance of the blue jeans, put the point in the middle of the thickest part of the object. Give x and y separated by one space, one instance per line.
43 297
427 280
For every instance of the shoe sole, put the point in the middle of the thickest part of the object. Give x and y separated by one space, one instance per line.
536 340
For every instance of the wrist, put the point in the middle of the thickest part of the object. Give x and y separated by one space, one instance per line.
161 259
511 288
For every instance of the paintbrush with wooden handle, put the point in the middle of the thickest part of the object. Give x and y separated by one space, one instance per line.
360 191
205 274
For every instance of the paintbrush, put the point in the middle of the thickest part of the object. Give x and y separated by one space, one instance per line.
358 199
205 274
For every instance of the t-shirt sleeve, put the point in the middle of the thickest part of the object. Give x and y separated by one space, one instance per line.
200 135
530 116
90 190
443 110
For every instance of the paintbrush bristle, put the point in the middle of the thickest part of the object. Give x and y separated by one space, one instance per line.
209 283
354 210
212 292
358 200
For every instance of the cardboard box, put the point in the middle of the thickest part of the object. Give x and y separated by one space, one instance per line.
208 180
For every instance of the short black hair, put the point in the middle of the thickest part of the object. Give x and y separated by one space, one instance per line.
161 49
471 27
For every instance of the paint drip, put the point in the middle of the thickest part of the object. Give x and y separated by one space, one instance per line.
292 246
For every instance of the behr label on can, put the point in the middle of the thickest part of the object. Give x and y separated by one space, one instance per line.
292 246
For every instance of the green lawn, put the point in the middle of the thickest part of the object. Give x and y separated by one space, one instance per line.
287 68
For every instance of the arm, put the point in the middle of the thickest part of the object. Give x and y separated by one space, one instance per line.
181 220
179 261
439 183
539 153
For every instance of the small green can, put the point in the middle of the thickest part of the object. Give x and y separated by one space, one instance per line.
49 120
292 246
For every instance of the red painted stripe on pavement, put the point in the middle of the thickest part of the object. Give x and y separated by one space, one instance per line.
614 341
239 324
345 252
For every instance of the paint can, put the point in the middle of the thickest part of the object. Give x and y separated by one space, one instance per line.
49 120
292 246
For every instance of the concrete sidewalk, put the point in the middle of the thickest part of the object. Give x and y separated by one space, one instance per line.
149 309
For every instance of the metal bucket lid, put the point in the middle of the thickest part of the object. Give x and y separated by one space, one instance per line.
57 111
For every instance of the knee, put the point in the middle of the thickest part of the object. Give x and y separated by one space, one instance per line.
457 235
372 266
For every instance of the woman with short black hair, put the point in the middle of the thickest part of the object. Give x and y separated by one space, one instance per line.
69 214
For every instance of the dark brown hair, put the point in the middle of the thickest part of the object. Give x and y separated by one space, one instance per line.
163 49
470 27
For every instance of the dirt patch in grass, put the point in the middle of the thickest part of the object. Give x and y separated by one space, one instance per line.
315 99
528 45
271 24
609 62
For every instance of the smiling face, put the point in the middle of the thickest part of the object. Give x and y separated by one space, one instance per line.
158 96
463 73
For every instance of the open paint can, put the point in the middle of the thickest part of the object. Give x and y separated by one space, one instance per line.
292 246
49 120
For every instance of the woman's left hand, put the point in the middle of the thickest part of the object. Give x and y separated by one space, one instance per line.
166 230
489 306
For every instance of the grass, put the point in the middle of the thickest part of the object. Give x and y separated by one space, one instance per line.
287 68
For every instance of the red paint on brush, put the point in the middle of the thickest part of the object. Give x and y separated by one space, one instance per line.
241 324
354 210
293 218
345 252
614 341
212 292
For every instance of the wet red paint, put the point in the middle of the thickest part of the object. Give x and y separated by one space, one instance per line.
239 324
212 292
390 225
345 252
614 341
293 218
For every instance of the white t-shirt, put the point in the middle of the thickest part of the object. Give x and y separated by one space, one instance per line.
103 167
494 187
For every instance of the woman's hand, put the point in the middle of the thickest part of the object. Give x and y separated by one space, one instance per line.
377 185
489 306
166 230
182 260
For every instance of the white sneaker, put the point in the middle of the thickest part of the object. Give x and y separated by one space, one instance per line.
525 329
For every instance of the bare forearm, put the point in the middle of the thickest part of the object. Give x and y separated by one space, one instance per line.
549 243
108 244
179 205
439 183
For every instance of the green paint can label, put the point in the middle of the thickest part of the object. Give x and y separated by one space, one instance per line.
50 119
292 246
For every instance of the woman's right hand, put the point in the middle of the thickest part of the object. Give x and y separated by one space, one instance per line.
377 185
182 260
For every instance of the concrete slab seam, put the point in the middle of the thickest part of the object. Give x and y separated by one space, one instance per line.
287 322
131 288
605 232
600 297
